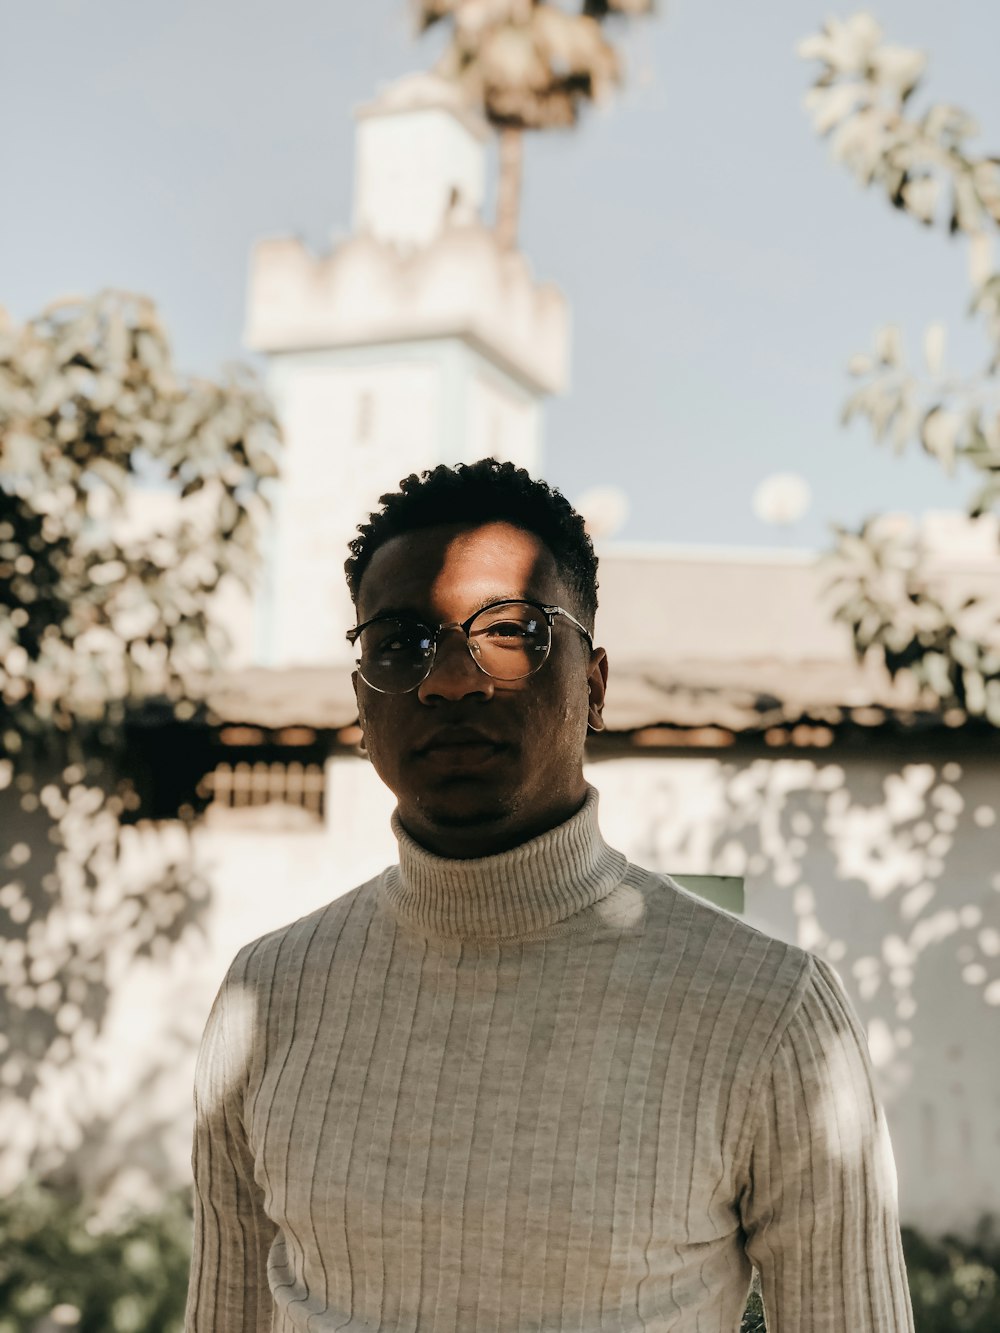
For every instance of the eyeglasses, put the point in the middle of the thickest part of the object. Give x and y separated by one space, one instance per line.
506 640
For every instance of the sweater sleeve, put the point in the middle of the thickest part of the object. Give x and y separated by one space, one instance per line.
820 1209
228 1290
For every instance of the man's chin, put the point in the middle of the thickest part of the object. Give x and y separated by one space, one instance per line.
470 819
467 804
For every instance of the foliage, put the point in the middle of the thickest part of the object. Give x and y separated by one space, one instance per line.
753 1315
923 162
955 1283
528 65
60 1270
102 610
891 605
94 610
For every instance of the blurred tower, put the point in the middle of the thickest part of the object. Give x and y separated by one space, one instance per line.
416 341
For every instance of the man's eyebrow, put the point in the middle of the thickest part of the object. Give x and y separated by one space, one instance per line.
412 613
509 597
408 612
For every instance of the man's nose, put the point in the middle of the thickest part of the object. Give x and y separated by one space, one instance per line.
454 674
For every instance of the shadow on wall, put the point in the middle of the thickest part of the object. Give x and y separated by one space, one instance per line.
78 909
893 875
890 871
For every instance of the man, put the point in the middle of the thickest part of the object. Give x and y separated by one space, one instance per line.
516 1083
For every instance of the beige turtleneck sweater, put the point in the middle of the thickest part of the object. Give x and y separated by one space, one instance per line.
542 1090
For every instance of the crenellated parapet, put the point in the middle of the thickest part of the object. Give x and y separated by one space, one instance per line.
461 284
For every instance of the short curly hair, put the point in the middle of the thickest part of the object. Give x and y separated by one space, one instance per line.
483 492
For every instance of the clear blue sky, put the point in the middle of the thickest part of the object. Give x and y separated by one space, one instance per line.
720 266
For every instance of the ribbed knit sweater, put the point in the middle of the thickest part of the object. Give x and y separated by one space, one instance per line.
541 1090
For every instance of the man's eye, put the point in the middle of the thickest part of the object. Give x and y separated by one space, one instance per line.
509 629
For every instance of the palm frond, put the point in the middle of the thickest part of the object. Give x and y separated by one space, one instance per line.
528 67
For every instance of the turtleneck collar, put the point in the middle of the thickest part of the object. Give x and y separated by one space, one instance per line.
512 895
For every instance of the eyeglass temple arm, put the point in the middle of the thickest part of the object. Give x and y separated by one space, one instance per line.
559 611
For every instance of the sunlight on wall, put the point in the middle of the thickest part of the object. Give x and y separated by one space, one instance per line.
887 871
85 921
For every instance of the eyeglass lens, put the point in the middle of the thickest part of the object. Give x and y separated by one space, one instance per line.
509 642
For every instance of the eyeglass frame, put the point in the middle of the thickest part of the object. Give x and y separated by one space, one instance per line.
549 612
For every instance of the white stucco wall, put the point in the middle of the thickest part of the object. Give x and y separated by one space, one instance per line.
356 421
354 426
410 168
502 420
890 869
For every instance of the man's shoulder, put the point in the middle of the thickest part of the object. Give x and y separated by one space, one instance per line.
290 948
728 949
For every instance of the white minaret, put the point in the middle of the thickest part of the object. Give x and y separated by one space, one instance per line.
416 341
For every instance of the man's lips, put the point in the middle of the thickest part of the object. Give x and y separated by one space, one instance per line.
458 741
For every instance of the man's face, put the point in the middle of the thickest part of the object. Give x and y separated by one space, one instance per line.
522 773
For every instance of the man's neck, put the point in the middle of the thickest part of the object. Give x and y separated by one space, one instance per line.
468 841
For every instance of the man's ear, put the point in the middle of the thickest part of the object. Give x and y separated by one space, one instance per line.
597 684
